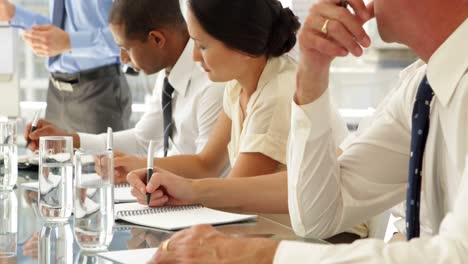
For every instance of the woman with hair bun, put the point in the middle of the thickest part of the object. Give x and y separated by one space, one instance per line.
244 43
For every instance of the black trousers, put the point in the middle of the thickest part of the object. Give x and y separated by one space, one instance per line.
89 101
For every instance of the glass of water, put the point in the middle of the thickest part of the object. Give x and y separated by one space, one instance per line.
55 178
8 155
8 226
94 200
55 244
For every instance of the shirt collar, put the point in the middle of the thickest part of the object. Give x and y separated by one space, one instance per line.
181 74
270 70
448 64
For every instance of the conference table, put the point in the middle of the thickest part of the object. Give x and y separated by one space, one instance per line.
125 235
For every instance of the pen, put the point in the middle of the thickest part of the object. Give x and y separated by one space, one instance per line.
33 126
110 139
149 171
344 3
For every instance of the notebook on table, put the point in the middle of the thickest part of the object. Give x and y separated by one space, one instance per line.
175 217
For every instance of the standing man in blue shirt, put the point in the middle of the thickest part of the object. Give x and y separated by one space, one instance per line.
87 91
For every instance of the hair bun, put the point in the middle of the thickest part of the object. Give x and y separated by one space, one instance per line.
283 33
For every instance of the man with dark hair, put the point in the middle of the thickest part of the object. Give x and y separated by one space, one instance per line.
153 37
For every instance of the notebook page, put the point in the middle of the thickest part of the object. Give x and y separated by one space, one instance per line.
129 256
179 219
122 194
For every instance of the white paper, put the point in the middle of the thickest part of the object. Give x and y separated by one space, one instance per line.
130 256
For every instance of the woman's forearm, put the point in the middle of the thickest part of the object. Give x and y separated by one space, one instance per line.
189 166
263 194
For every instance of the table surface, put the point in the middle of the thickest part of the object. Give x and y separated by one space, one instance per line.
125 235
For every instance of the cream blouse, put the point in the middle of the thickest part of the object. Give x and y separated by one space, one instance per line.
265 128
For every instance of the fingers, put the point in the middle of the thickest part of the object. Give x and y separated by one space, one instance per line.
40 132
312 43
27 131
137 179
158 198
333 30
344 18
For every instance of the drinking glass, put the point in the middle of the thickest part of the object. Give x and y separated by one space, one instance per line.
94 200
55 244
8 226
86 257
8 155
55 178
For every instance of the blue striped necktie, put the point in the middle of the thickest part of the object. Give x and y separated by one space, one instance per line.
167 112
419 132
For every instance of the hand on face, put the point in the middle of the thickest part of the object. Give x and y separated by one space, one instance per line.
166 188
43 128
204 244
47 40
331 30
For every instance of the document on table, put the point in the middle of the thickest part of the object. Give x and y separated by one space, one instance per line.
130 256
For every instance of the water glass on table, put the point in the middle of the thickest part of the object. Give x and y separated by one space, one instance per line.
55 244
8 155
8 226
55 178
94 200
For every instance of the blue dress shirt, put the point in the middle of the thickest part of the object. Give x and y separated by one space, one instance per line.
86 21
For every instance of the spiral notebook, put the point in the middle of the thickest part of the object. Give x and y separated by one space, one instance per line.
175 217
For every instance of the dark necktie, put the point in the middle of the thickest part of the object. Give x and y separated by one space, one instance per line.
419 131
58 20
58 13
167 112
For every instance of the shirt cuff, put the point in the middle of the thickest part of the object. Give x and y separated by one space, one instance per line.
23 18
92 142
297 252
315 116
79 41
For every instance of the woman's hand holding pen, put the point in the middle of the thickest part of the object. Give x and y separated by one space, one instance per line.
165 188
330 30
7 10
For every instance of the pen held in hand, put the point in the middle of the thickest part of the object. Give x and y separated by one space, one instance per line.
33 126
149 171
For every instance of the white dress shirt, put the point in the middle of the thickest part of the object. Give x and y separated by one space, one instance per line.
196 104
327 195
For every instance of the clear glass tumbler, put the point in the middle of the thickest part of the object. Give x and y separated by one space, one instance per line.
55 178
55 244
94 200
8 226
8 155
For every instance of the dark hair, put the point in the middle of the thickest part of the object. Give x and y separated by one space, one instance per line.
256 27
142 16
